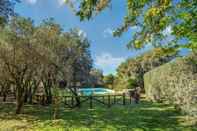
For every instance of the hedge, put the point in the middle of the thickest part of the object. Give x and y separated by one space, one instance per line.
175 82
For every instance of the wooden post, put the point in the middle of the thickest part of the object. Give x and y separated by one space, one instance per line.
109 102
124 101
130 98
40 99
103 99
91 106
114 99
79 101
72 101
43 100
37 99
65 100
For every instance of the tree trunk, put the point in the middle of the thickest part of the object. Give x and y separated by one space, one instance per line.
49 97
19 106
19 100
30 101
4 96
32 92
26 97
28 94
48 93
77 98
56 107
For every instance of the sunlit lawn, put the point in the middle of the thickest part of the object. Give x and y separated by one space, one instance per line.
143 117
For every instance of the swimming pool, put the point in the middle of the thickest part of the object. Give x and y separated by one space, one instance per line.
97 91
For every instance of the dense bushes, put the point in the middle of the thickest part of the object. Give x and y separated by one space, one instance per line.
175 82
130 73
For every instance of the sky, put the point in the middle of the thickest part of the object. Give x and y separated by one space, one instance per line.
107 51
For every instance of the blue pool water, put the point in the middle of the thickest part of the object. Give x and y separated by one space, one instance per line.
91 91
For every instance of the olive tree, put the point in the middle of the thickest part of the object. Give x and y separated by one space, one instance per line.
32 56
6 10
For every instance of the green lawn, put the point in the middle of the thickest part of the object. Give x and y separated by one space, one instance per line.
143 117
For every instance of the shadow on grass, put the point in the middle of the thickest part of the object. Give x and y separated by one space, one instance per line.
145 116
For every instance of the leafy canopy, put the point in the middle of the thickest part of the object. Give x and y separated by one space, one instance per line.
155 20
130 73
6 10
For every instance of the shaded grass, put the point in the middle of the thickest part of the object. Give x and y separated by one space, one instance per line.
145 116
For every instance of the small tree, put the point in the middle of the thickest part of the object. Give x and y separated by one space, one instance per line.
56 102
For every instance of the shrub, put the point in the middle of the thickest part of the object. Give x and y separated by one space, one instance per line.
175 82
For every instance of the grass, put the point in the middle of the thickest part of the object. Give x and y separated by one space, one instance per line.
145 116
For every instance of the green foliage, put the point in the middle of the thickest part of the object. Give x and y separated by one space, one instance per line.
132 83
31 56
152 18
96 78
7 10
89 7
135 68
175 82
109 81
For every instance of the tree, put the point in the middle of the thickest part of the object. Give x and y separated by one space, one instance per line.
156 20
4 83
135 68
70 61
6 10
32 56
74 61
96 77
19 57
47 36
108 81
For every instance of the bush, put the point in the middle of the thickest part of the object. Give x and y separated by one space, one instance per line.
175 82
132 83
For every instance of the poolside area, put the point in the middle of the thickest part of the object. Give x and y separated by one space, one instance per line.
95 91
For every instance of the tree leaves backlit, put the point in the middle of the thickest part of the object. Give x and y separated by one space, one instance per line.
151 17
